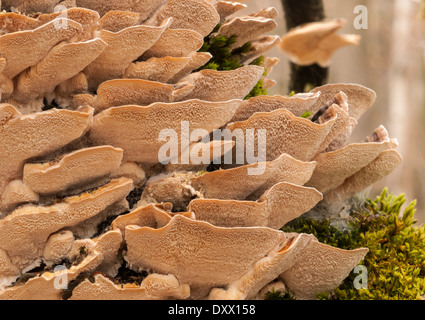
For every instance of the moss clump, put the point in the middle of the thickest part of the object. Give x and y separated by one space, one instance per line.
226 59
278 295
222 57
306 114
396 259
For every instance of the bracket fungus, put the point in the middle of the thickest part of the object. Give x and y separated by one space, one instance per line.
175 43
153 287
111 174
120 92
26 48
120 126
230 251
71 169
203 16
303 138
52 284
279 205
24 247
211 85
297 104
227 8
316 42
32 136
334 167
70 58
123 47
248 28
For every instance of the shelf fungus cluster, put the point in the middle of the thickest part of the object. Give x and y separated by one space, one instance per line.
89 209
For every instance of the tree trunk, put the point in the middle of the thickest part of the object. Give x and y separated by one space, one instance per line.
297 12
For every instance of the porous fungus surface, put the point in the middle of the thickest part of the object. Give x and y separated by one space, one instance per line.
92 95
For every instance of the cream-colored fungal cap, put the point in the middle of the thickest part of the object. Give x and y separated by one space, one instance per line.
303 138
88 19
203 15
196 60
121 92
143 7
359 98
156 69
259 46
64 93
344 124
175 43
247 28
200 155
121 126
383 165
25 231
13 22
227 8
279 205
226 184
297 104
17 192
115 21
23 137
269 63
341 129
212 85
197 252
123 47
24 49
58 246
316 42
132 171
334 167
70 58
51 285
153 287
72 169
34 6
320 268
174 188
8 271
264 270
153 215
305 266
6 83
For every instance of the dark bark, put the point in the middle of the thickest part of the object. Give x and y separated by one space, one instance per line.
297 12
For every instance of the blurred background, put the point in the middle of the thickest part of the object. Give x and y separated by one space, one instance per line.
390 60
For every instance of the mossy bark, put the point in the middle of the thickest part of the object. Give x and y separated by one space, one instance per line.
298 12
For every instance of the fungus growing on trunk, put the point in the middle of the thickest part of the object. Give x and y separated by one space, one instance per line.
112 175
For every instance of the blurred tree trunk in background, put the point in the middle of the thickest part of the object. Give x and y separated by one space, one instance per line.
298 12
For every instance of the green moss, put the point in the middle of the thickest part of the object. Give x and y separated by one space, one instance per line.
258 90
259 61
306 114
224 58
278 295
396 259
